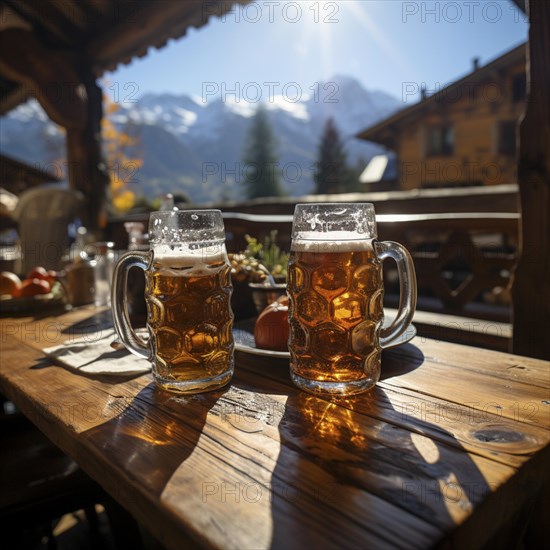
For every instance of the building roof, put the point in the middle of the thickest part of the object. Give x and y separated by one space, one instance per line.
106 32
383 131
380 168
16 175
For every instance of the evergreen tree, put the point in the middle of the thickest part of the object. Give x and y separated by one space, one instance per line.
332 174
261 169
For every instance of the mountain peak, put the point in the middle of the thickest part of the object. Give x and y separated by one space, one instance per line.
194 146
345 80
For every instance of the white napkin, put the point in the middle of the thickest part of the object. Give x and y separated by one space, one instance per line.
94 355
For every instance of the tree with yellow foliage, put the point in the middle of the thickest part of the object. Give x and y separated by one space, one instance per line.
119 148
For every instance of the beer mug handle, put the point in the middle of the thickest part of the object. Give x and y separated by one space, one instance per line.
119 301
407 290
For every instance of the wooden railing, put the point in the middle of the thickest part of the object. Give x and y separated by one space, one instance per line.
463 260
496 198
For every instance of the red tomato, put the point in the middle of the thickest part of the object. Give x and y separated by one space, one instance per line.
32 287
52 277
38 272
271 328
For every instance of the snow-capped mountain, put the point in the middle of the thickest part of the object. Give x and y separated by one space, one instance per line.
194 146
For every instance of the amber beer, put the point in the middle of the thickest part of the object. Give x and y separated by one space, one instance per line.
189 318
336 312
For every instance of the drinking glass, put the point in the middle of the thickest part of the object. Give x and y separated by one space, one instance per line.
103 263
187 291
336 294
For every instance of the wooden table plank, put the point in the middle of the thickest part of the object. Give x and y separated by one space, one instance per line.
261 464
453 424
500 365
521 383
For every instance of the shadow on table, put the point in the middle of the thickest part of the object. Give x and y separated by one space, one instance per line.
46 362
153 435
84 333
147 436
401 360
98 321
363 466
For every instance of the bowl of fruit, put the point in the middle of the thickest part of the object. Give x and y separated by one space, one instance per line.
40 289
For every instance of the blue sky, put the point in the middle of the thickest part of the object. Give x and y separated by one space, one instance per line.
385 44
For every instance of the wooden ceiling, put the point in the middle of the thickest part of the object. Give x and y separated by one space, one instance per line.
106 33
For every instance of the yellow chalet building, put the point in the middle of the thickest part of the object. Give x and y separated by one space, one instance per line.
461 135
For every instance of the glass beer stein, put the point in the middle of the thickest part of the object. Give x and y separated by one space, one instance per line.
187 291
336 296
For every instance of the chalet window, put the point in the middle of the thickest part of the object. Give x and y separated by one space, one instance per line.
507 138
441 140
519 88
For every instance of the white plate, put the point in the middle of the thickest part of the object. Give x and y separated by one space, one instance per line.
243 333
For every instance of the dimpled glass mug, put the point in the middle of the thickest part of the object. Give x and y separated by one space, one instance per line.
187 291
336 296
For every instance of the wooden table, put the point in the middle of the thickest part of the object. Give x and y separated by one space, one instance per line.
450 448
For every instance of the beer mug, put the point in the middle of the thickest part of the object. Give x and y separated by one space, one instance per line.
187 292
336 297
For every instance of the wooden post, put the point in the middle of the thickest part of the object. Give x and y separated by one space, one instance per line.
531 287
87 169
67 90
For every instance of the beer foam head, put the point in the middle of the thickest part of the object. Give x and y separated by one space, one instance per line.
338 242
186 238
187 255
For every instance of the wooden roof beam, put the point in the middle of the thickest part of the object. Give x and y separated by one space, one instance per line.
102 7
45 18
141 29
46 73
19 94
72 12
